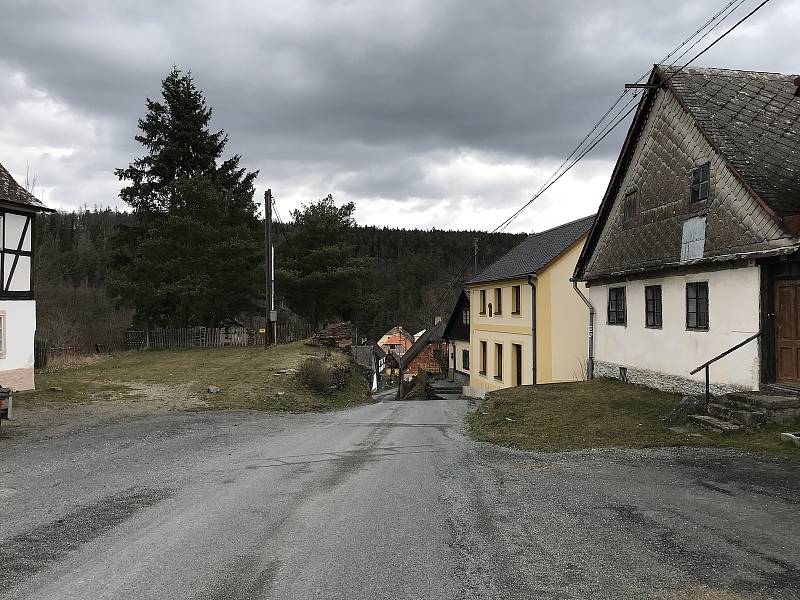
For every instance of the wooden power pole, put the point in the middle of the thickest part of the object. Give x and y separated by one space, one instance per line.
269 338
475 256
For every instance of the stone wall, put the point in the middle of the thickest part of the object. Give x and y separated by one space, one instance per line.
661 381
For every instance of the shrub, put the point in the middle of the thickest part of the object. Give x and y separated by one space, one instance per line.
315 374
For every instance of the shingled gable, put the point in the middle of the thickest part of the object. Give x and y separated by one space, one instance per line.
535 252
14 195
748 125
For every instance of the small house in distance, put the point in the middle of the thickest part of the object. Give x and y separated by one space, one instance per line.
373 358
428 353
695 247
396 340
527 323
456 335
18 209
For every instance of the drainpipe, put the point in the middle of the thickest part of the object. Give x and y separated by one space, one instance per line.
533 325
590 361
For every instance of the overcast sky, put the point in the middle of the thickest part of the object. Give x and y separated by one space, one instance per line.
431 113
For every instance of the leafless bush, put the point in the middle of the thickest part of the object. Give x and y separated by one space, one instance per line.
315 374
79 317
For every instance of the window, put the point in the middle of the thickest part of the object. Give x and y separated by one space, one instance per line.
498 363
483 358
465 359
465 316
2 334
616 306
693 239
483 302
701 182
697 305
498 301
516 297
630 208
652 306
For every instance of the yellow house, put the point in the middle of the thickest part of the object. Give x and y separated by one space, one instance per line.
528 324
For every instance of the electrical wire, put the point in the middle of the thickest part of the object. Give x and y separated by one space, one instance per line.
608 128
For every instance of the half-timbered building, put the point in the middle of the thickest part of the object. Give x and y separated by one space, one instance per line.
694 250
18 210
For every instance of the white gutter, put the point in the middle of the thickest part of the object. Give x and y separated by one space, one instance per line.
590 361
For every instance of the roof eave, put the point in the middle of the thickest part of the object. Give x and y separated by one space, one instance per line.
25 207
712 260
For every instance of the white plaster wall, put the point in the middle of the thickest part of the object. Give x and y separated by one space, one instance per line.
20 330
733 298
458 346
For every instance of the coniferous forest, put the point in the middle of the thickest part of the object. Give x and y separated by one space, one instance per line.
190 250
403 274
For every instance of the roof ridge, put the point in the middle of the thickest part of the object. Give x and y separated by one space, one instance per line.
721 70
535 252
592 216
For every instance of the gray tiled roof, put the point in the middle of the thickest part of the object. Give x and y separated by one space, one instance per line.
754 120
363 355
11 191
535 252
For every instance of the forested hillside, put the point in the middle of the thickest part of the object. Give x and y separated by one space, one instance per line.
408 272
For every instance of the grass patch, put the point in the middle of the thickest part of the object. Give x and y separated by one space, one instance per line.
250 378
602 413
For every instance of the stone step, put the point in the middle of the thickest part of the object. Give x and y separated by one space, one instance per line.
456 389
440 396
715 424
746 417
765 401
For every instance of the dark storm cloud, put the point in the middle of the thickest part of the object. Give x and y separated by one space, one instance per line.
359 97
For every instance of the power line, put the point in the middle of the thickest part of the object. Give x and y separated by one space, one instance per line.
280 221
729 5
600 136
712 44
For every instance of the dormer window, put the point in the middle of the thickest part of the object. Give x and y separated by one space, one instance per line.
701 182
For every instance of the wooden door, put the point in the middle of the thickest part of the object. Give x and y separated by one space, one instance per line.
787 331
518 364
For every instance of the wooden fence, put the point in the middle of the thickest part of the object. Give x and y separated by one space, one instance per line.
211 337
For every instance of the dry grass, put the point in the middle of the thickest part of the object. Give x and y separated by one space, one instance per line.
602 413
250 378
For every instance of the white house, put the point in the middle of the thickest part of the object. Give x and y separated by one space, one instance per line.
18 210
694 249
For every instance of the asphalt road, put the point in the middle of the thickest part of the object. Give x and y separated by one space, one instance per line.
383 501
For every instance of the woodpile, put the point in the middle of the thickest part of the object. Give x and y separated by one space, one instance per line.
338 336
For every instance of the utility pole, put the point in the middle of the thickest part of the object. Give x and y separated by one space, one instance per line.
475 256
268 337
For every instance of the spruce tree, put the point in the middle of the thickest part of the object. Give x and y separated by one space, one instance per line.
318 273
193 255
